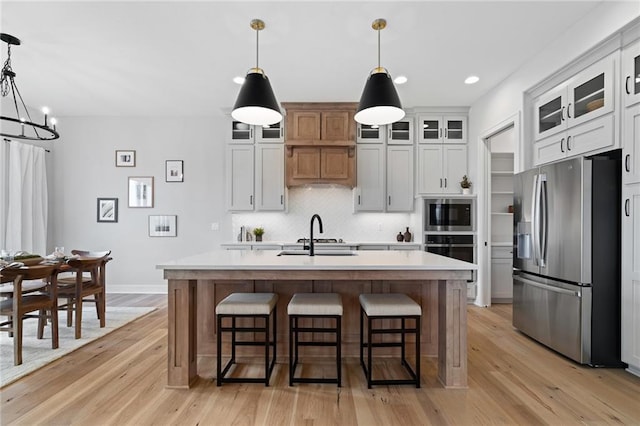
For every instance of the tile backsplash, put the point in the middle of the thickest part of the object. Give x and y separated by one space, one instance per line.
334 204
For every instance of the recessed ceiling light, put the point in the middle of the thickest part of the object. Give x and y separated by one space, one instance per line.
472 79
401 79
238 80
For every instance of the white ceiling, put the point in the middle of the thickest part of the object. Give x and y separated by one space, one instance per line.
179 58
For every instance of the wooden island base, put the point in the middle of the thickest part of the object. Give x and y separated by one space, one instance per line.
193 295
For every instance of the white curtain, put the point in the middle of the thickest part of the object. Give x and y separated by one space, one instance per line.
27 199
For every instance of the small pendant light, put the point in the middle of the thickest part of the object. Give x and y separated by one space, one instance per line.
379 103
256 103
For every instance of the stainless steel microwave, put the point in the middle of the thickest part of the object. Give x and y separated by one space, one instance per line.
449 214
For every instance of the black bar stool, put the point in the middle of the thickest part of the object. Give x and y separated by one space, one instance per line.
246 305
314 306
389 306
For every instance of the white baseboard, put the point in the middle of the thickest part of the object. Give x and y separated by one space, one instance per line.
633 370
137 289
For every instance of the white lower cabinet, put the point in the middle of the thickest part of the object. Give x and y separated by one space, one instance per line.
590 136
630 309
501 274
239 174
255 177
440 168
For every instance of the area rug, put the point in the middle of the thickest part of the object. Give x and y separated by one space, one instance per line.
37 353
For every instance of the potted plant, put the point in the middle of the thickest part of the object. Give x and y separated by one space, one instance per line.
258 232
465 184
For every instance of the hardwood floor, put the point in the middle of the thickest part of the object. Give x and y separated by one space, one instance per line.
121 379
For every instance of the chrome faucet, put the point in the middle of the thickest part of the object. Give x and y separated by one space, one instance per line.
311 248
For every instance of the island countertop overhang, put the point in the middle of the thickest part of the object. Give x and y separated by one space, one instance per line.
268 260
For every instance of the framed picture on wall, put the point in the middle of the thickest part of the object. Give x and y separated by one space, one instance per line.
141 191
125 158
174 171
163 225
107 210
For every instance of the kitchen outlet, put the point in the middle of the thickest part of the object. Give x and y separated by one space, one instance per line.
215 226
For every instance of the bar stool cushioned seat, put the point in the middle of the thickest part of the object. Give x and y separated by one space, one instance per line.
247 305
389 306
314 306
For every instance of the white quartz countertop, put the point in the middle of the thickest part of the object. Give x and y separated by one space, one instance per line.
343 244
375 260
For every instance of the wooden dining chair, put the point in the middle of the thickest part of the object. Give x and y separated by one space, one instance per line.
89 269
23 300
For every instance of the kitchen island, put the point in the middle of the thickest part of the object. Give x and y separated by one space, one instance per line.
198 283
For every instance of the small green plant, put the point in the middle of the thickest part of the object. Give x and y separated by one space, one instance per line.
258 232
465 183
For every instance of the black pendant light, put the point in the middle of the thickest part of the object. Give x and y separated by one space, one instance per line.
256 103
379 103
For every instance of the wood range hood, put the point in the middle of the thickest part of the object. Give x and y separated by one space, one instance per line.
320 140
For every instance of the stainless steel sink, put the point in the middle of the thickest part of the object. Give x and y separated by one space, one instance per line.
320 252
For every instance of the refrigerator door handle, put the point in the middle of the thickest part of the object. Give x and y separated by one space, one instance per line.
546 286
535 221
544 218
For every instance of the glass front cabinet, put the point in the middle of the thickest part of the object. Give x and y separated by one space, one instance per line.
400 132
442 129
239 132
631 73
587 95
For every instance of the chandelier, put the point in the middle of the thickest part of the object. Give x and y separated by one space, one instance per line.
22 125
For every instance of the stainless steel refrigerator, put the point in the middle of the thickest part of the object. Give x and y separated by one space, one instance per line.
566 257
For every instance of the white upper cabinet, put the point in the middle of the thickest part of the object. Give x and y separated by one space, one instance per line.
399 178
369 193
440 168
367 133
401 132
631 150
588 95
442 129
239 175
240 133
631 73
269 184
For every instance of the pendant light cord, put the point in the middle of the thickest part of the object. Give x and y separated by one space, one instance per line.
378 47
257 47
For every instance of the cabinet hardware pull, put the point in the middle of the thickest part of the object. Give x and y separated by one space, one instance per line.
569 111
440 182
626 207
359 131
562 145
439 132
445 133
627 166
568 140
389 199
282 199
251 132
358 200
626 85
562 114
251 199
445 182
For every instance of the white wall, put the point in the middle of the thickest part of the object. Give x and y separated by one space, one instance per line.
84 169
506 100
